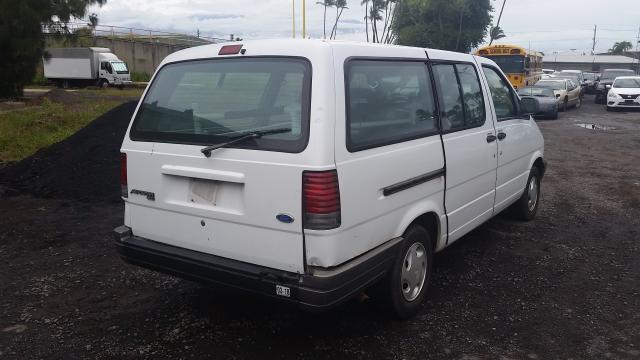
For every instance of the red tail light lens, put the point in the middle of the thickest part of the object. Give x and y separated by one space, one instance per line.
321 199
124 188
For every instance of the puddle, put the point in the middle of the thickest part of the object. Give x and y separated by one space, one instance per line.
594 126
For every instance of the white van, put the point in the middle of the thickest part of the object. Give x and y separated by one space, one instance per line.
310 171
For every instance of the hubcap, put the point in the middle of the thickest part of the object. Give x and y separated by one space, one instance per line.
414 271
532 193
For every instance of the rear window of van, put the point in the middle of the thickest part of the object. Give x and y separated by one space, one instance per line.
207 102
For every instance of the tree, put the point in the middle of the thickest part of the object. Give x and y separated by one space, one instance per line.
21 36
325 4
340 6
383 11
495 33
620 47
456 25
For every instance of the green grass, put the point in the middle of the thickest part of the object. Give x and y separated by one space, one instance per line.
24 131
140 76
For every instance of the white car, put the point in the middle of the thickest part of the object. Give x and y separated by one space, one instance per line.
624 93
310 171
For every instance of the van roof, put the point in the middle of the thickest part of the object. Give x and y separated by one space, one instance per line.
291 47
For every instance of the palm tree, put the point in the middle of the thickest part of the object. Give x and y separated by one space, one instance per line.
326 4
496 33
366 16
375 15
620 47
340 6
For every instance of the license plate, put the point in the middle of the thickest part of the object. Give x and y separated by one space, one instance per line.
283 291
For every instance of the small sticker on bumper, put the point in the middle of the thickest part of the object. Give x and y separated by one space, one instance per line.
283 291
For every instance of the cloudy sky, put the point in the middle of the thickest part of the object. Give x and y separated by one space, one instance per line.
547 25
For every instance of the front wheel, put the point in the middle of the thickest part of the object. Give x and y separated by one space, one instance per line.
565 103
405 287
578 103
527 206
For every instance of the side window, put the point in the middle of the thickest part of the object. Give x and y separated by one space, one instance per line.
471 95
503 99
449 92
103 65
387 102
461 96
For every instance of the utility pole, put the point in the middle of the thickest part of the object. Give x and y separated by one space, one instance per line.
593 47
304 19
637 51
293 18
498 23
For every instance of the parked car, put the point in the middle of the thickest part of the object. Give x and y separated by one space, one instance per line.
606 79
574 78
624 93
546 98
565 90
591 81
548 71
545 76
244 167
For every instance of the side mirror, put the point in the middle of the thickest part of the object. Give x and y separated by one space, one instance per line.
529 106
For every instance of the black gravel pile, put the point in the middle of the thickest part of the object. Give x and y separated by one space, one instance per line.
85 166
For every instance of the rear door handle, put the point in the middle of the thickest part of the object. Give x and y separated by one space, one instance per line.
501 135
491 138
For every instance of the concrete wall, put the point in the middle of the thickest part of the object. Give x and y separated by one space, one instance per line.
140 56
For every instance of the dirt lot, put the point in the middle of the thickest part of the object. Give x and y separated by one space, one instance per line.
566 285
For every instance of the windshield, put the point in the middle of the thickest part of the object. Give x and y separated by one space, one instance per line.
553 85
589 76
509 64
627 83
536 91
120 67
612 74
209 101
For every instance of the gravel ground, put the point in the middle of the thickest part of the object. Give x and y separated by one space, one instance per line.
566 285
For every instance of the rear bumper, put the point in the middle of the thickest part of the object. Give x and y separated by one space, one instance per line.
317 289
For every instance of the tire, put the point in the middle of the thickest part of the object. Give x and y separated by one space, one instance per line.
102 83
526 207
402 291
609 108
65 84
578 103
554 116
565 104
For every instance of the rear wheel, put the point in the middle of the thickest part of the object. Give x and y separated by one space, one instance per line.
578 103
405 286
565 103
527 206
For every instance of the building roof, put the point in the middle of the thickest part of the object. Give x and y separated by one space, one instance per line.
600 59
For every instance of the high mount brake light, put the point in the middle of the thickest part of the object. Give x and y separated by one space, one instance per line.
230 49
124 188
321 199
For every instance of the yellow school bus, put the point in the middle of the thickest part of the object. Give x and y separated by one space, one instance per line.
523 67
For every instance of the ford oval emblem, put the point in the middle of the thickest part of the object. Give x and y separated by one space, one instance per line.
287 219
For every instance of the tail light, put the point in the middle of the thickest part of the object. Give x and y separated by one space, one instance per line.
124 188
321 200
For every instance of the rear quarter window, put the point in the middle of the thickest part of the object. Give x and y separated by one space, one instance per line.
387 102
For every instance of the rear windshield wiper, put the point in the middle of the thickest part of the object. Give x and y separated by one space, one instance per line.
243 137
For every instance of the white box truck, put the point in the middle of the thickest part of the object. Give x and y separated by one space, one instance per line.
85 66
